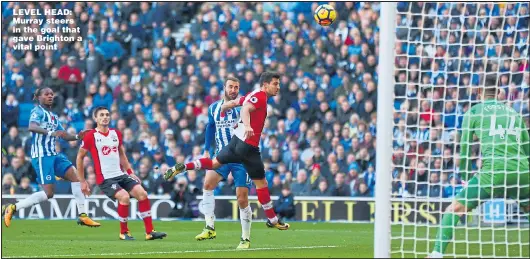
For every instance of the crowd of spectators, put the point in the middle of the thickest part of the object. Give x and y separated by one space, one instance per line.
319 137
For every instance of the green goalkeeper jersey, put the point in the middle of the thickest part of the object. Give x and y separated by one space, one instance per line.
503 138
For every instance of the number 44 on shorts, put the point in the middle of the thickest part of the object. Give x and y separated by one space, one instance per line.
494 211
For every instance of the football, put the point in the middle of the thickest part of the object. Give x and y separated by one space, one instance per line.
325 15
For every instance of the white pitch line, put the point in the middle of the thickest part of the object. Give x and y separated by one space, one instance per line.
172 252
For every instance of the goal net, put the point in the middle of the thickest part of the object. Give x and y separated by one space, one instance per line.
444 52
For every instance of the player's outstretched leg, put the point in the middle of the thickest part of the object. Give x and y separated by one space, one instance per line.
123 213
9 210
202 163
144 206
264 198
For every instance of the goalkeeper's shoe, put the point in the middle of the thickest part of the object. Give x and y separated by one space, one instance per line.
244 244
84 220
7 211
173 171
207 233
155 235
126 236
279 225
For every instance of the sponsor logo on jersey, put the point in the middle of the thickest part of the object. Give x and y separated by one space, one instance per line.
254 99
106 150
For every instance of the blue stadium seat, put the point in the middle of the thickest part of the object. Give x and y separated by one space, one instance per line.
25 110
80 125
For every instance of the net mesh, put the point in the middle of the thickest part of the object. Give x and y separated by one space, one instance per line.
444 53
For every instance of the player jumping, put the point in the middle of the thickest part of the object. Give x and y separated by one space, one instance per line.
244 148
108 153
505 151
45 127
221 124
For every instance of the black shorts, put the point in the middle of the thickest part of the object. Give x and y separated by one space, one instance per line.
112 185
239 152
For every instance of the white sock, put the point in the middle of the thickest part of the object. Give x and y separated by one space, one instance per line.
246 221
435 254
35 198
79 197
208 206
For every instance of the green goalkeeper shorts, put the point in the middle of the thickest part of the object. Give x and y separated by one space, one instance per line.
486 185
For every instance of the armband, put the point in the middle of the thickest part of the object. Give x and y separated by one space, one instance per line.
129 171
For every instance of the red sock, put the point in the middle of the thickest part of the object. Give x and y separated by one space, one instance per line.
264 198
144 206
202 163
123 212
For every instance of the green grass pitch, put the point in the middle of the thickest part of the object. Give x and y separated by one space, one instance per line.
63 238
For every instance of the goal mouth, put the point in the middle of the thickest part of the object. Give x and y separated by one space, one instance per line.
460 77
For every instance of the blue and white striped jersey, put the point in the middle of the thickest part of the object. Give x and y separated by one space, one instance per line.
44 145
222 124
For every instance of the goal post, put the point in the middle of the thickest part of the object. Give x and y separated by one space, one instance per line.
434 60
385 87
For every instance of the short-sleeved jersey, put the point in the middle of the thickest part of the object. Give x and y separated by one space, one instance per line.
504 141
223 122
43 145
104 150
257 118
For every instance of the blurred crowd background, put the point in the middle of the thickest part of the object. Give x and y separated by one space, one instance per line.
319 138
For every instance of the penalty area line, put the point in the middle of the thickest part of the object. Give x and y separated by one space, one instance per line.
172 252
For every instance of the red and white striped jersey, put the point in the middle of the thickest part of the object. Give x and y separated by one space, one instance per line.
104 150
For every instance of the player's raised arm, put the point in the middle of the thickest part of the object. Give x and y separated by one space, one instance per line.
67 136
34 126
465 150
232 104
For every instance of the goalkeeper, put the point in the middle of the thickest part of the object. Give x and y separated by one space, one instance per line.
505 151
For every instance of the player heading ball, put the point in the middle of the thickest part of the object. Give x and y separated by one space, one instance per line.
243 148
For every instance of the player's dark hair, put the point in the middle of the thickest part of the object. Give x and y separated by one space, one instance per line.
231 78
38 93
490 85
97 109
266 77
